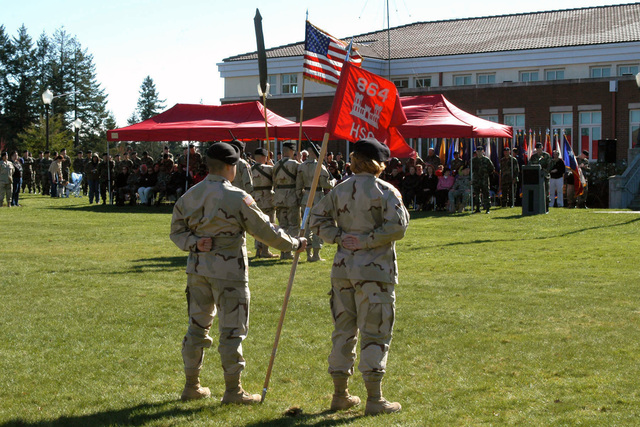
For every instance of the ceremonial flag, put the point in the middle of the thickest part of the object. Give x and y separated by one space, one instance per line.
324 56
443 151
547 143
368 106
571 164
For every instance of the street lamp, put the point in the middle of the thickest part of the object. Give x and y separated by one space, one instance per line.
47 98
638 84
77 123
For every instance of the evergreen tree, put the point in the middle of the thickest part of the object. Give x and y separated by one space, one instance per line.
6 53
149 102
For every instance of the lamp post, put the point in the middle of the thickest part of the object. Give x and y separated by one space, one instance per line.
638 137
77 123
47 98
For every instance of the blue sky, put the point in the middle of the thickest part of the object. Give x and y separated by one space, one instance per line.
179 43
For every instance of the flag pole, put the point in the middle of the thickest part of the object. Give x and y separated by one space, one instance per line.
301 116
292 274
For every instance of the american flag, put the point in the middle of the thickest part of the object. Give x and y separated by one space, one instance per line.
324 56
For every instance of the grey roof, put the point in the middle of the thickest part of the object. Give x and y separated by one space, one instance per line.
536 30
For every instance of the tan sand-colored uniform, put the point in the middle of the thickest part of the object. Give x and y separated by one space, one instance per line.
363 281
243 178
285 198
6 181
304 179
217 281
262 176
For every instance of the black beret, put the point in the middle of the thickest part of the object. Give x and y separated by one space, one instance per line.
224 152
373 149
261 152
538 144
238 144
585 152
506 149
4 153
289 145
480 147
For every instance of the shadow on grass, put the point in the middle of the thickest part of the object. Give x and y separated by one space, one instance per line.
100 208
324 418
162 412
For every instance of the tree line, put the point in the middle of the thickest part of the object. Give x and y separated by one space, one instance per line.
61 64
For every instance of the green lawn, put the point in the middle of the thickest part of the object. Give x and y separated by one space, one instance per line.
501 320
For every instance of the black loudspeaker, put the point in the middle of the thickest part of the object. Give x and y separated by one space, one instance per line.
607 150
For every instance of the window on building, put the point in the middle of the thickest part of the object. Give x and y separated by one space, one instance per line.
462 80
554 74
401 83
516 121
600 72
423 82
562 122
273 84
528 76
289 83
590 132
493 119
627 69
634 128
486 79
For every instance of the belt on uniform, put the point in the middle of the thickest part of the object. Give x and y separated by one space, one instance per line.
262 188
317 188
286 186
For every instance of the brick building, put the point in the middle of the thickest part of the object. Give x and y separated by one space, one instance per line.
567 70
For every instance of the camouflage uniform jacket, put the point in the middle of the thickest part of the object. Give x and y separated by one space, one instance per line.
6 172
78 165
66 163
506 171
102 170
304 179
243 179
285 173
44 165
586 169
482 169
373 210
544 160
263 185
462 183
91 171
456 164
215 208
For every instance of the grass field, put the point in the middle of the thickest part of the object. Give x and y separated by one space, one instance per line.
501 320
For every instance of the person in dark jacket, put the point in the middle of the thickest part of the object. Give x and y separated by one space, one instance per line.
428 187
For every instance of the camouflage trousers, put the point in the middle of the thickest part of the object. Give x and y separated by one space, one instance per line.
289 219
230 300
6 191
367 307
507 193
27 183
271 213
38 182
478 188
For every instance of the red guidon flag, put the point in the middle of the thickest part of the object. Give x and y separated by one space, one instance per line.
368 106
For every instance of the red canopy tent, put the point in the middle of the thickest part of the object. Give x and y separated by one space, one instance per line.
433 116
196 122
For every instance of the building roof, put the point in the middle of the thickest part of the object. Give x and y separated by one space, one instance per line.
536 30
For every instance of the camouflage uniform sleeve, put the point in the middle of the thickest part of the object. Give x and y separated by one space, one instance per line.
247 178
394 226
256 223
181 234
325 182
300 182
321 220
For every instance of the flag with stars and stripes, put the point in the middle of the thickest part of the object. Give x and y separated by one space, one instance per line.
324 56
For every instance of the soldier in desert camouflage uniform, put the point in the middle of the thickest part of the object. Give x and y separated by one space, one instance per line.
364 216
209 221
304 179
285 198
6 179
262 176
482 168
243 179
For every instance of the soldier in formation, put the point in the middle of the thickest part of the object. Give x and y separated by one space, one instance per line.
509 173
36 172
285 197
262 176
106 169
482 169
304 179
364 216
28 172
460 193
66 164
583 164
543 159
6 179
243 179
45 163
209 221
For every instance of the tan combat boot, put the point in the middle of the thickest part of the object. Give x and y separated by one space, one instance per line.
341 397
193 390
267 254
234 392
286 255
376 404
309 256
316 255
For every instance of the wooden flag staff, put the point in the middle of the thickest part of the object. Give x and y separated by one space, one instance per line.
292 275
